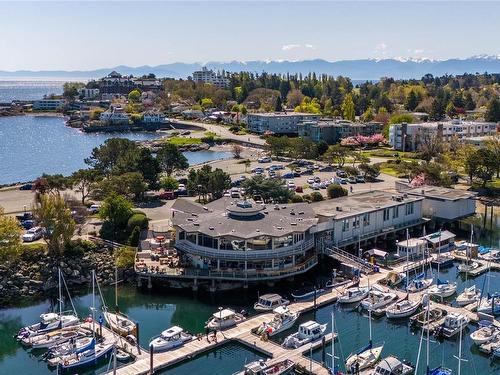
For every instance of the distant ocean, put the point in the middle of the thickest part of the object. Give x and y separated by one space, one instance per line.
31 89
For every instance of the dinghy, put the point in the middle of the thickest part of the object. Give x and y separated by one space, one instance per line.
485 334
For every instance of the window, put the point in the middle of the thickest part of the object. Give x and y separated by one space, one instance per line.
395 212
355 222
345 225
387 212
409 208
366 219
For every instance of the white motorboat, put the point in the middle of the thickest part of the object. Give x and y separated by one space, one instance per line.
443 289
402 309
308 332
485 334
169 339
453 324
224 318
353 295
392 366
282 320
52 338
269 302
419 283
468 296
364 358
51 321
262 367
377 299
467 266
87 357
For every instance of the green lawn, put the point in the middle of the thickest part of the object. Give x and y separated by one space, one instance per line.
182 141
390 171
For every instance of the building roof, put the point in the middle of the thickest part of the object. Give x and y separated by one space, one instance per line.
281 114
360 203
215 219
442 193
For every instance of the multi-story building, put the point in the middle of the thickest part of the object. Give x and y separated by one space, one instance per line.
409 137
115 83
114 115
153 117
48 104
88 93
332 131
209 76
278 122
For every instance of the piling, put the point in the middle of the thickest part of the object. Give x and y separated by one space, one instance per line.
137 337
323 350
151 359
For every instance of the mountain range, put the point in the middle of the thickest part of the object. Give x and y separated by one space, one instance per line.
364 69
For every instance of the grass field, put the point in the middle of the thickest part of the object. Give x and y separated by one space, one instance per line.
182 141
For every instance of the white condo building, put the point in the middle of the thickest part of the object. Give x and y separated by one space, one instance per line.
209 76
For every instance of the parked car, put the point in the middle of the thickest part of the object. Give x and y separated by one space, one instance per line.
351 179
24 216
258 170
33 234
296 173
169 195
317 179
288 175
310 180
290 185
315 186
299 189
26 187
343 181
360 179
94 208
341 173
28 224
264 159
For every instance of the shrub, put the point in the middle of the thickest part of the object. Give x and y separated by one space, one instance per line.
297 199
306 197
79 247
33 251
137 220
134 237
125 257
335 191
316 197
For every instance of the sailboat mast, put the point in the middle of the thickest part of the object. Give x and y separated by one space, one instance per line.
116 288
460 353
407 257
370 321
428 332
60 292
93 302
439 253
333 343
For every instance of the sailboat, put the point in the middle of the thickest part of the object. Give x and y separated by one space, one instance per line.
334 370
365 357
50 321
491 304
468 265
92 353
118 321
443 288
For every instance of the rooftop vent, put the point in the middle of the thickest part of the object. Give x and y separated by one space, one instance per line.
279 228
211 228
205 208
257 230
276 207
193 214
301 212
338 208
190 219
294 224
196 224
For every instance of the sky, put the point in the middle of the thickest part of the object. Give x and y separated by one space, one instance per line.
84 35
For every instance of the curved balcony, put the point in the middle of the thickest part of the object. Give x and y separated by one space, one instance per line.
191 248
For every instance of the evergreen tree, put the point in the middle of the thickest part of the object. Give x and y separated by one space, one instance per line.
411 101
348 108
278 107
493 111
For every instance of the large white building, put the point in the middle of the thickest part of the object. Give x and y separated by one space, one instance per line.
209 76
278 122
114 115
409 137
48 104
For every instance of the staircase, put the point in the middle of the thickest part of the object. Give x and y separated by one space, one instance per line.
348 258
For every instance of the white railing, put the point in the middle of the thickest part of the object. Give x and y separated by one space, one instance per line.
191 248
349 258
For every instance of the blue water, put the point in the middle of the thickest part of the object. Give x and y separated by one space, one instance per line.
28 90
31 145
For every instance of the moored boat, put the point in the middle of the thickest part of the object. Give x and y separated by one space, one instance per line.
169 339
308 332
402 309
485 334
88 357
307 293
443 289
354 295
377 299
426 317
419 283
468 296
262 367
392 365
467 267
282 320
120 323
268 302
364 358
453 324
54 354
224 318
51 338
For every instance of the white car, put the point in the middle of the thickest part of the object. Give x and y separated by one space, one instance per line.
310 180
315 186
264 159
33 234
93 209
290 185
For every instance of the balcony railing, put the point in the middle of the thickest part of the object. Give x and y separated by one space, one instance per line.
193 249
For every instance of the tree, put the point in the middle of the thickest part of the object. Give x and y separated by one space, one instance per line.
134 96
347 107
451 111
493 144
328 107
10 238
370 171
278 106
114 156
336 154
335 191
309 106
206 103
52 184
430 147
116 210
321 147
399 118
218 182
85 181
481 164
316 196
95 113
205 181
52 213
169 183
493 110
271 190
148 166
130 184
70 89
237 150
368 115
277 146
294 98
171 158
411 101
134 237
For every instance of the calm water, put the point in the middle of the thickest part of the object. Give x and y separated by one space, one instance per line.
28 89
31 145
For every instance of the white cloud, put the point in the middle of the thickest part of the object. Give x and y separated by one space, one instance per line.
288 47
381 48
417 51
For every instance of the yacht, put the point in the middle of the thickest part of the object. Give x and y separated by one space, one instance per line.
453 324
467 266
120 323
54 354
443 261
87 357
307 293
402 309
353 295
224 318
364 358
392 366
393 278
419 283
282 320
443 289
269 302
468 296
262 367
308 332
169 339
485 333
377 299
51 338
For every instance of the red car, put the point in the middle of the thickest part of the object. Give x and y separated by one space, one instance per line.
298 189
167 195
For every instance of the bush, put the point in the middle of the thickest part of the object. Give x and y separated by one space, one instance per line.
134 237
316 197
137 220
79 247
306 198
33 251
335 191
297 199
125 257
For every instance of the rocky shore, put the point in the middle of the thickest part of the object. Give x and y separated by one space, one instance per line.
37 277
